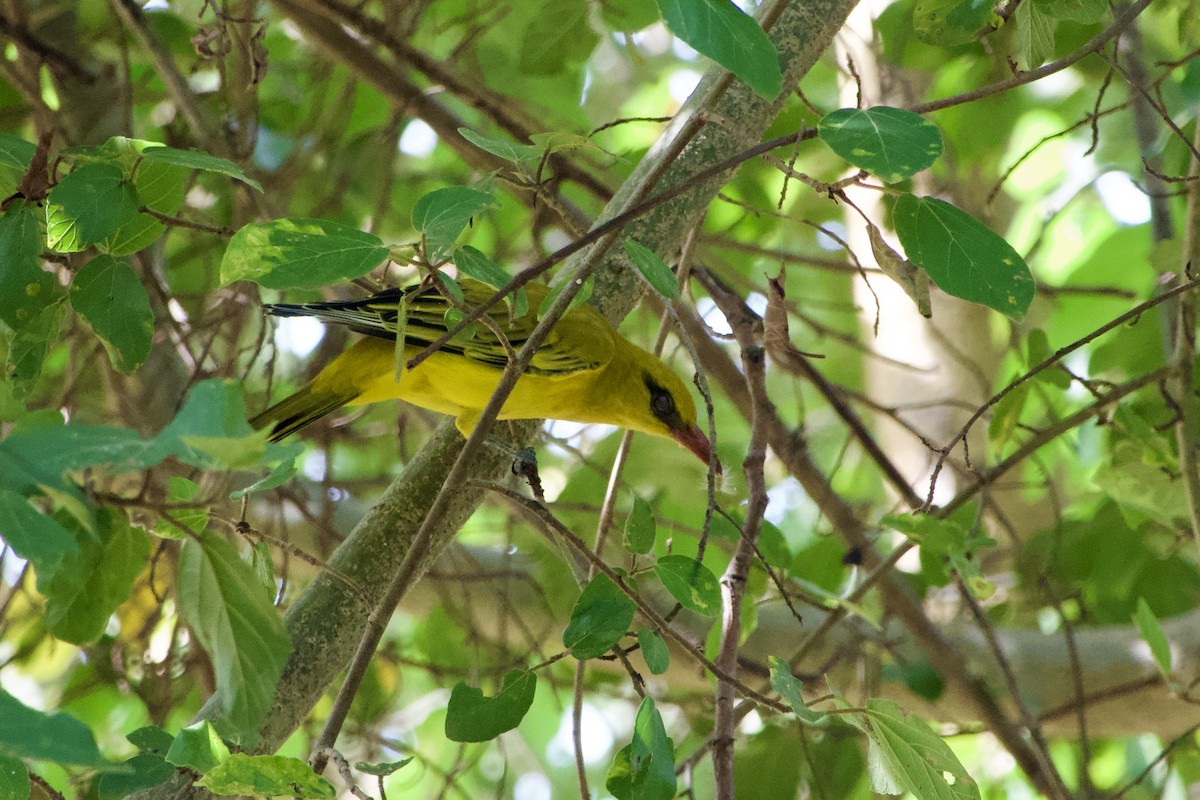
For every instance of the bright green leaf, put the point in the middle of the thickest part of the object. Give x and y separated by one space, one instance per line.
236 624
160 187
472 717
890 142
653 269
441 216
85 589
181 491
1086 12
300 253
198 747
727 35
691 583
1152 634
645 769
266 776
640 529
109 297
503 148
906 756
474 264
963 256
1006 414
628 16
384 768
952 22
87 206
791 689
25 288
16 154
558 37
194 159
1035 33
600 619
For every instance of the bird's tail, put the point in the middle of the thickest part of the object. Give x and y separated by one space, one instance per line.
300 409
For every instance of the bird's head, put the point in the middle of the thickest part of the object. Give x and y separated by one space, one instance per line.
661 404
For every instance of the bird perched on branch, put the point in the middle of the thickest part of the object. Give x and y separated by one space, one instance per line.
585 371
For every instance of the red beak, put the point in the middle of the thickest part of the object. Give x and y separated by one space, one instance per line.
695 440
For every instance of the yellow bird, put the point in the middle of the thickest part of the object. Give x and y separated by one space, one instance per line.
584 371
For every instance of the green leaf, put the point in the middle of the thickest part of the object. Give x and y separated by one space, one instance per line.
640 529
653 269
140 772
222 601
1128 479
476 265
1035 33
151 739
441 216
87 206
503 148
654 651
579 299
57 737
194 159
181 491
919 676
601 616
691 583
198 747
211 431
1085 12
471 717
953 22
278 476
16 155
1006 414
14 779
382 769
906 756
109 297
27 350
645 769
628 16
39 539
963 256
300 254
25 288
85 589
266 776
160 187
559 36
890 142
790 689
1152 634
727 35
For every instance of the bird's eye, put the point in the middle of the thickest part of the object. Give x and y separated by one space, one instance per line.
662 405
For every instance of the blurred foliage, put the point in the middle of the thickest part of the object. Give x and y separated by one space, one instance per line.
145 186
